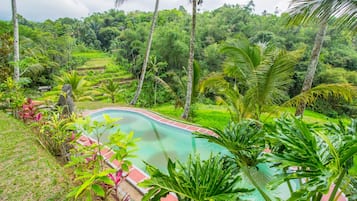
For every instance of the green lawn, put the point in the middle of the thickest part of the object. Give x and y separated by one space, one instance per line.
28 172
205 115
213 115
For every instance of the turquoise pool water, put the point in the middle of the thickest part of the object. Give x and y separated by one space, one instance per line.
159 141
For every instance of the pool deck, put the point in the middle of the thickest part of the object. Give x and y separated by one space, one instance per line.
136 175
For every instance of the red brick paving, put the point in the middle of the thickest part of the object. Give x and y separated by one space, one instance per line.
136 175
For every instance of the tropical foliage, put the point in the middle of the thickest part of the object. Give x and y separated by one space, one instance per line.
96 180
80 86
110 89
317 157
321 12
194 180
245 141
250 63
254 77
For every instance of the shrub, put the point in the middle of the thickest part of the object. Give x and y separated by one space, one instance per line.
29 111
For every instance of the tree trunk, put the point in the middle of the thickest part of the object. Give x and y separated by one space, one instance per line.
186 111
146 60
16 42
309 77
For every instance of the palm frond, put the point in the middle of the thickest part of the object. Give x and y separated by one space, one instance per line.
325 91
80 86
34 69
119 3
244 140
166 86
214 81
340 12
242 58
274 77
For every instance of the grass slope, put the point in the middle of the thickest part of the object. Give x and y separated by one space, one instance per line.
28 172
214 115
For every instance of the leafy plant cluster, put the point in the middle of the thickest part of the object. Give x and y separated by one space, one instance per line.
309 160
96 179
11 96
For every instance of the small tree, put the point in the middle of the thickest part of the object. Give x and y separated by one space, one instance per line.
96 180
254 78
110 89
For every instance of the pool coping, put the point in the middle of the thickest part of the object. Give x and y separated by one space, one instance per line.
158 118
135 174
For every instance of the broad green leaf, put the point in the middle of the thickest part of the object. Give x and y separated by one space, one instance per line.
98 190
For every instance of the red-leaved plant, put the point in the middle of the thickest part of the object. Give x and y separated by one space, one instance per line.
29 111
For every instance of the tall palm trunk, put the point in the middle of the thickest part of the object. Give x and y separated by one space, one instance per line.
315 54
186 111
16 42
146 60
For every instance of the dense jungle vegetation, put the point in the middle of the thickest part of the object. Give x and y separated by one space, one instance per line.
256 65
51 48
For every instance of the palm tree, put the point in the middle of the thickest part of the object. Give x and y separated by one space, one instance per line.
322 12
253 77
176 85
80 86
187 107
147 54
110 89
16 42
154 68
195 180
317 157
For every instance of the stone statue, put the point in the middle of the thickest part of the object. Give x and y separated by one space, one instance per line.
66 100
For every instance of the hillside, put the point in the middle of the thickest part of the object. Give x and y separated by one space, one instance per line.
28 171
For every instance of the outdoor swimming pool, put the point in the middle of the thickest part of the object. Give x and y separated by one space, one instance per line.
159 141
